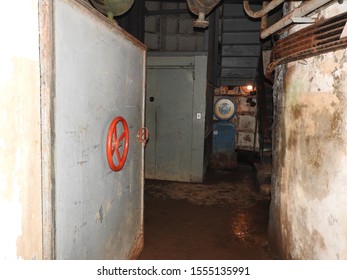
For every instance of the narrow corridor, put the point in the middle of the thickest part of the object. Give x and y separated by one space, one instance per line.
225 218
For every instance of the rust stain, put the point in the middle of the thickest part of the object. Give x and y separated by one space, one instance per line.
137 246
316 164
298 110
292 140
336 122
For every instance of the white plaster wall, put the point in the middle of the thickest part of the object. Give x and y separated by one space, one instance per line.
309 194
20 187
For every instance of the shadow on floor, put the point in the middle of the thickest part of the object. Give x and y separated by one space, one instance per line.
224 218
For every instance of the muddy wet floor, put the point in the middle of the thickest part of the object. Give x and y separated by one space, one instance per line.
224 218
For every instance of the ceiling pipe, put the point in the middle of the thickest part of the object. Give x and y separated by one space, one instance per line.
263 22
112 8
201 8
304 9
264 11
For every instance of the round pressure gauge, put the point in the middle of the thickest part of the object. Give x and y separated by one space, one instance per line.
224 109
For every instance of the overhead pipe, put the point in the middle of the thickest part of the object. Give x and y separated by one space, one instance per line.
112 8
263 23
264 11
301 11
201 8
321 37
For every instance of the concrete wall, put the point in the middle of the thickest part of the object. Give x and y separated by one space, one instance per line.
169 27
309 195
20 156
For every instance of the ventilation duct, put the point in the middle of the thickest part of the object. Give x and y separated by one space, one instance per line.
201 8
112 8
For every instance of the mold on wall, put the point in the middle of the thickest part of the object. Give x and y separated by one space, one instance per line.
307 217
20 151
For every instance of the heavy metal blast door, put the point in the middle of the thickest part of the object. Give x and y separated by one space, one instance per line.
99 76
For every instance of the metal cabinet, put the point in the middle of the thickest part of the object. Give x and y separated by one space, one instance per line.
100 73
175 117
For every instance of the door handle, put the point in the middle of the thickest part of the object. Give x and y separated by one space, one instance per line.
143 135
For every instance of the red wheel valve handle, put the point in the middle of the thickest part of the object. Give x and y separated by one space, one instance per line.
114 144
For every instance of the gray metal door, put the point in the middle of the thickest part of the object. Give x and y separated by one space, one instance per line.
169 107
151 122
99 76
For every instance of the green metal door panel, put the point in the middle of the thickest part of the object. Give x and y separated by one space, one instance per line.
175 117
151 115
174 124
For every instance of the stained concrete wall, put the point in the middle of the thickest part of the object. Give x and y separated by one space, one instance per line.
309 195
20 156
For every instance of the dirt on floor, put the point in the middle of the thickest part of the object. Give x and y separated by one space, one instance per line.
224 218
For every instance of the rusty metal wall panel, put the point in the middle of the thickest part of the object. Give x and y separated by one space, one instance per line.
247 135
99 75
246 123
245 140
244 107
